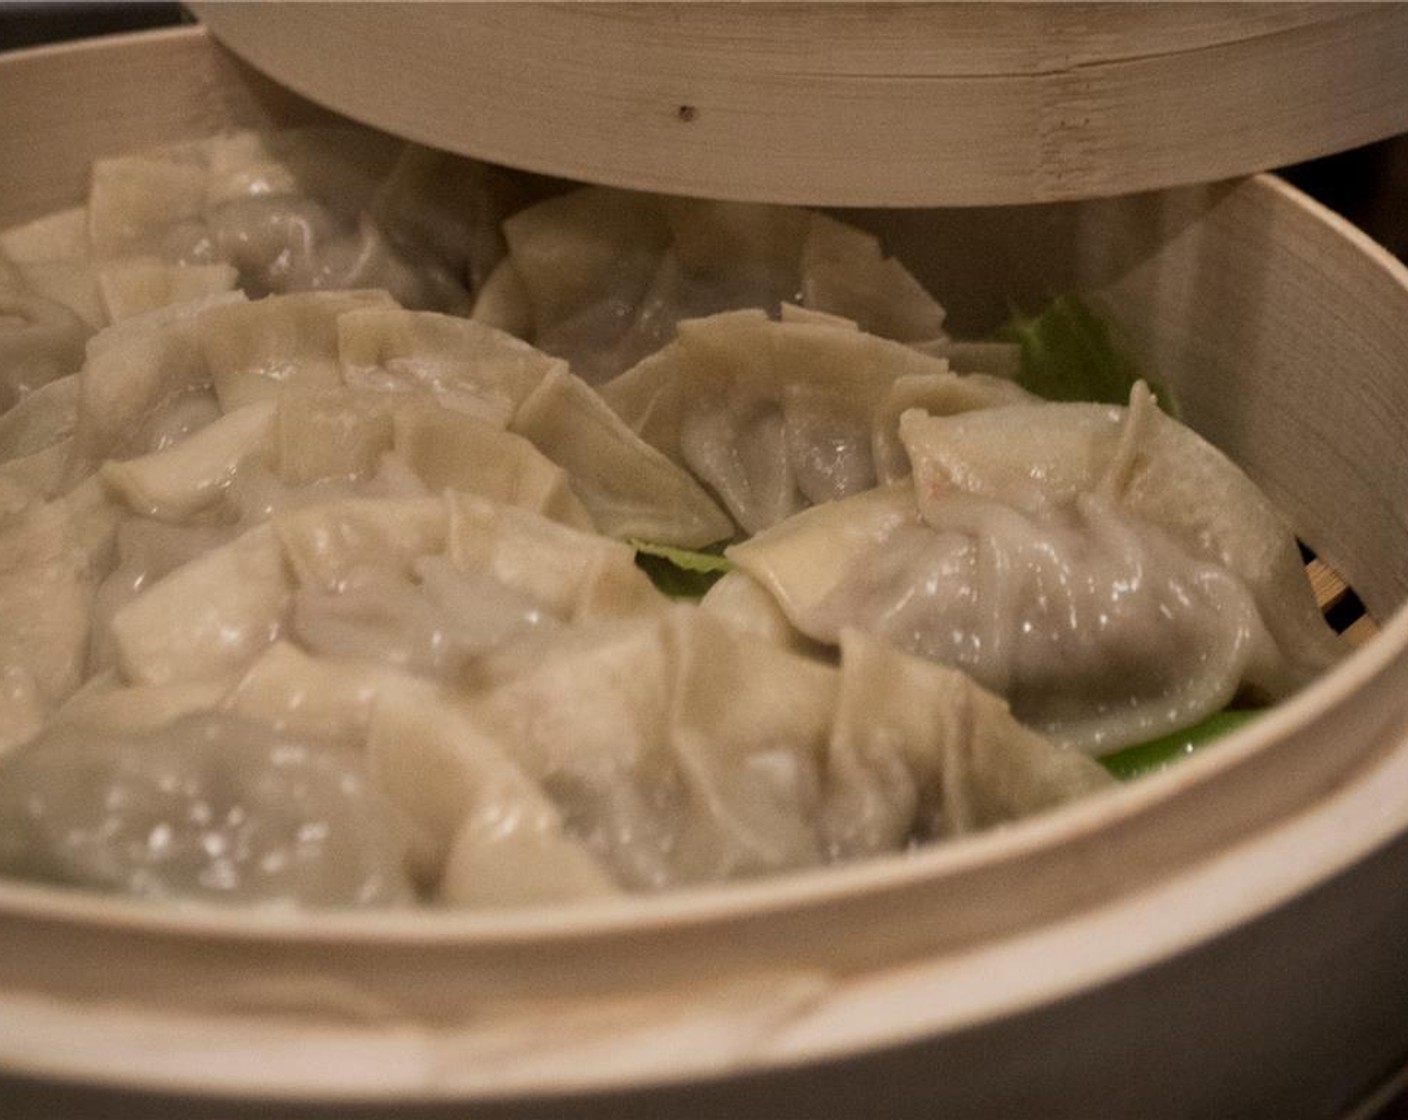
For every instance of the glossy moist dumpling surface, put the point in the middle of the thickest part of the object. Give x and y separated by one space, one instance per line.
330 587
602 276
1148 465
287 211
208 807
685 752
776 416
1084 578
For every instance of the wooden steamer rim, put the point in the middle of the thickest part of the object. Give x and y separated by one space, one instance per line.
851 104
1281 327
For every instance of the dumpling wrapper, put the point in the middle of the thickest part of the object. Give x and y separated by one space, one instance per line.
458 361
255 349
134 286
40 341
330 433
482 832
146 550
289 211
432 628
747 727
326 698
135 367
805 560
39 475
577 576
628 487
168 198
209 808
48 554
844 272
1149 465
105 704
71 283
503 302
745 604
587 719
602 276
586 259
333 545
451 450
341 164
47 580
131 198
62 235
920 747
993 359
777 416
209 617
44 417
682 752
450 208
23 709
176 484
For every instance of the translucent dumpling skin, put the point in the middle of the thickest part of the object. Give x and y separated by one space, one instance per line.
1104 569
208 808
1099 629
327 467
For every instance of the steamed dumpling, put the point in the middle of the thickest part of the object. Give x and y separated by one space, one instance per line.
601 276
778 416
1099 629
132 286
208 808
1104 609
44 417
288 211
483 833
136 372
1149 466
52 555
40 341
680 751
625 487
315 592
211 616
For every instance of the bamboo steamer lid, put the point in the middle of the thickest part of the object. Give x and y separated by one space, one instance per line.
866 104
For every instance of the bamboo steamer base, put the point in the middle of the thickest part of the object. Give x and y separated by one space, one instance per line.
1221 940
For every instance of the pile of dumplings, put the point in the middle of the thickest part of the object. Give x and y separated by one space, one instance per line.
323 465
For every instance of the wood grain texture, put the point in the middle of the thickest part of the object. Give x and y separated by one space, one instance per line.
187 89
1230 931
869 104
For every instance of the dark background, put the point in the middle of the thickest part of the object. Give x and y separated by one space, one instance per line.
29 24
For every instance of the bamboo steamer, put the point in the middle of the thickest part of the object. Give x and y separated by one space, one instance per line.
870 104
1223 939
